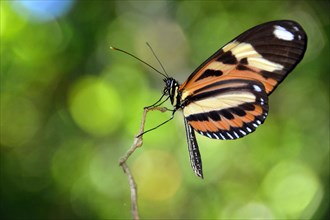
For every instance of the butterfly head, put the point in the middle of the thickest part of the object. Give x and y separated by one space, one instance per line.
171 89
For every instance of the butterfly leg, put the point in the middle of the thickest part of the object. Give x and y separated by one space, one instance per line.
172 116
194 154
156 104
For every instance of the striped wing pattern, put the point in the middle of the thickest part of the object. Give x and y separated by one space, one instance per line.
266 53
232 109
226 97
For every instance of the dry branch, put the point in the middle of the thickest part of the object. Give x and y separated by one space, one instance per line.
138 141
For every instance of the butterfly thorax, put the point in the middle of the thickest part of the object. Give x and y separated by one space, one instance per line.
171 89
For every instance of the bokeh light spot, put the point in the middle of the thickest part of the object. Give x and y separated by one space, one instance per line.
19 120
157 174
250 210
95 106
101 173
292 188
43 44
10 23
42 10
71 161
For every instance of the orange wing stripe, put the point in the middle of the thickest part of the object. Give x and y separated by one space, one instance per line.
203 126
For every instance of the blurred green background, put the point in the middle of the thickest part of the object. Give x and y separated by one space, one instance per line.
70 108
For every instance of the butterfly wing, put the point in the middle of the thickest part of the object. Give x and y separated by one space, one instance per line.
226 96
227 109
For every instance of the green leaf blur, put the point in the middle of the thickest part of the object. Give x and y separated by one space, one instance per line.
70 108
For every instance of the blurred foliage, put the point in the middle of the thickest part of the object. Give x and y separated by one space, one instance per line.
70 108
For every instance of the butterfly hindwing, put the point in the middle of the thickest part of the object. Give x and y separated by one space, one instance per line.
228 109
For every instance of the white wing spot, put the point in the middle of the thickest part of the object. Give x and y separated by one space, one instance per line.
208 135
262 102
296 28
248 129
215 136
236 134
223 138
231 137
242 132
258 122
282 33
255 125
257 88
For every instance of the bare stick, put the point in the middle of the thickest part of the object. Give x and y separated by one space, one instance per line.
132 185
138 141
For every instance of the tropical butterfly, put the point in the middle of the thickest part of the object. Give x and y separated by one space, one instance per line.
226 97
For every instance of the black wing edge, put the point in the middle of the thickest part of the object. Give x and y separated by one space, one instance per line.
257 34
194 154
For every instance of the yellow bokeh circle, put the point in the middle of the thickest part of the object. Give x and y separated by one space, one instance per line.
95 106
157 174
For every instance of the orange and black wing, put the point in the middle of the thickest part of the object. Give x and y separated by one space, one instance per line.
227 96
227 109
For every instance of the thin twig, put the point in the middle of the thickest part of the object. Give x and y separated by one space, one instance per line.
138 141
133 187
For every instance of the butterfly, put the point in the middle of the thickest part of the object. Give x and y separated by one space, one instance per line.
226 97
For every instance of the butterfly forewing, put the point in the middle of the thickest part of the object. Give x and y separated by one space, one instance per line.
266 53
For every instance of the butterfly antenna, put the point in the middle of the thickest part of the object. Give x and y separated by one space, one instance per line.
142 61
153 52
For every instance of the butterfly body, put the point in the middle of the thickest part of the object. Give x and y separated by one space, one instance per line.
226 97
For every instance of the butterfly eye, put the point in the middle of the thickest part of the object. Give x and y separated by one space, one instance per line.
168 85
